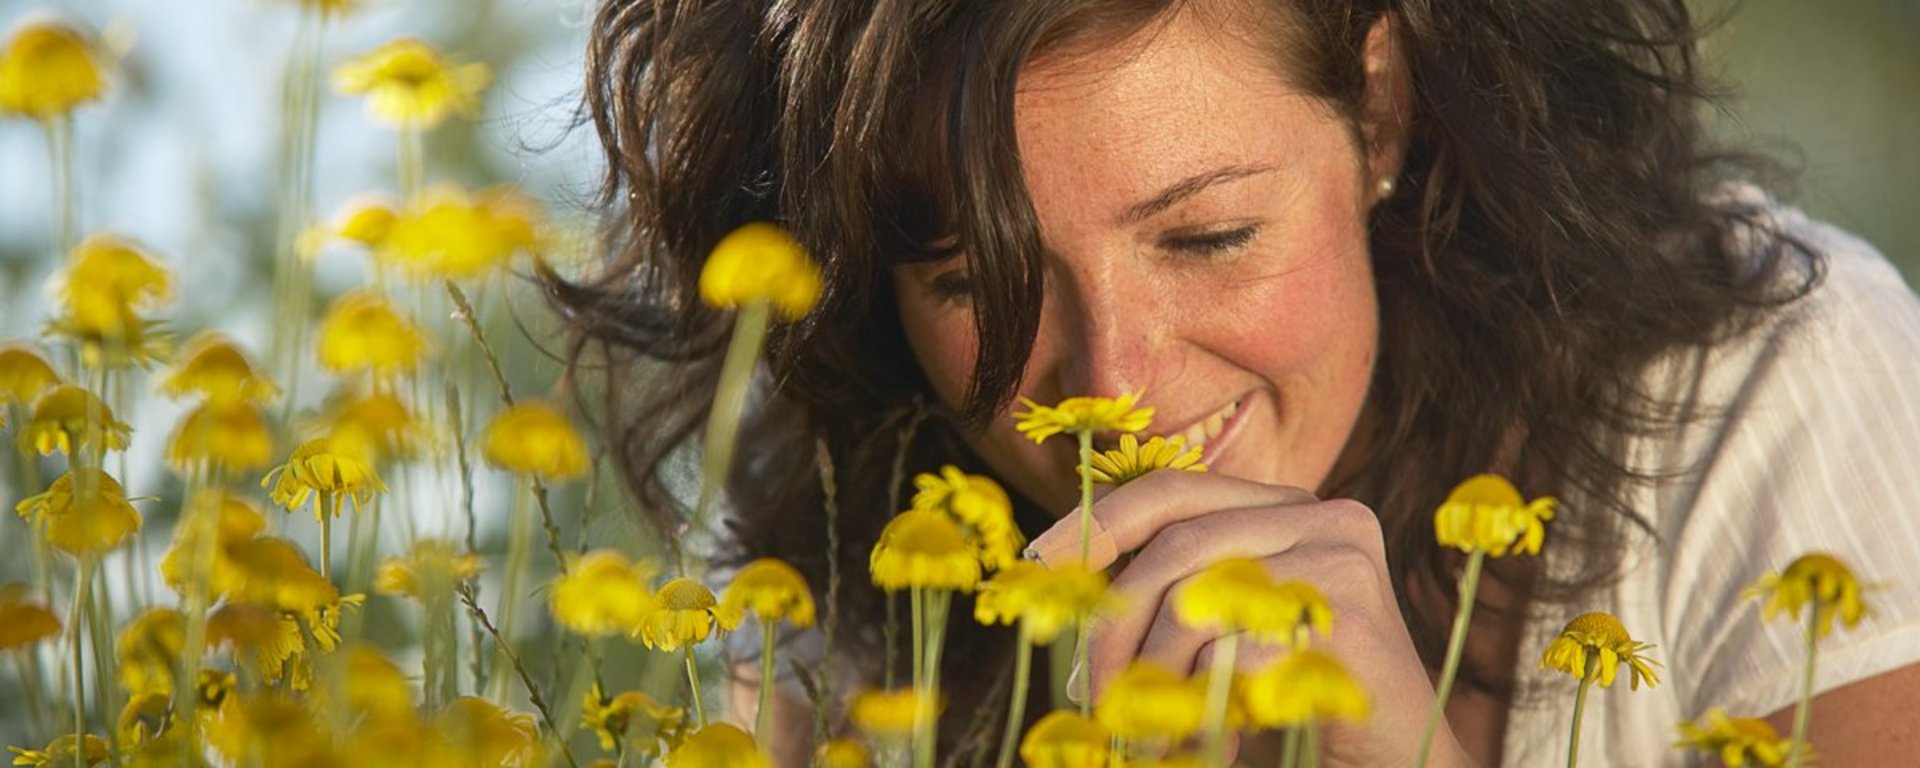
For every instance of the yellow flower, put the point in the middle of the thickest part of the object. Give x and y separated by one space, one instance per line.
374 686
235 520
1601 637
379 424
979 504
842 753
322 466
1064 739
1083 414
273 571
233 437
69 417
533 438
46 69
921 549
24 622
1817 578
1237 595
59 752
1148 702
1487 514
218 369
270 729
719 745
761 262
1305 686
885 715
683 615
480 733
108 281
614 717
448 234
262 639
366 220
772 591
1737 741
602 594
25 375
431 569
408 84
148 649
90 520
143 717
1047 600
330 8
362 331
1131 460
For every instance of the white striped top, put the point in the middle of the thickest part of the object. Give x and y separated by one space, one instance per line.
1819 449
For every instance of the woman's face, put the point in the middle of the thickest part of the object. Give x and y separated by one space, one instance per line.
1204 226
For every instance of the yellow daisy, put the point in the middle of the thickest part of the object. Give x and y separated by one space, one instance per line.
719 745
214 367
59 753
432 568
1047 600
1131 461
88 517
761 262
232 436
24 622
143 718
1238 595
409 84
842 753
772 591
533 438
380 424
1819 579
1064 739
1601 638
363 331
25 375
1737 741
684 614
68 417
1487 514
321 466
921 549
602 594
1083 414
235 520
885 716
366 219
148 648
374 686
480 732
47 68
977 503
1305 686
1148 702
449 234
613 718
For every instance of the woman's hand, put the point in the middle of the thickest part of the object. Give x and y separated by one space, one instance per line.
1178 523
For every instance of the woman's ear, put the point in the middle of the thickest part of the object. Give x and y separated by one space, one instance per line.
1386 108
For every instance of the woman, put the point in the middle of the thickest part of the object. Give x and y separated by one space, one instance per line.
1362 249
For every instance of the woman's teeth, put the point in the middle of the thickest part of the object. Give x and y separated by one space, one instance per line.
1208 428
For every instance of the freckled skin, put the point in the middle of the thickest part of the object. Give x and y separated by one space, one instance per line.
1286 323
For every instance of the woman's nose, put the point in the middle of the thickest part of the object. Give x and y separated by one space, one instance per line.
1108 326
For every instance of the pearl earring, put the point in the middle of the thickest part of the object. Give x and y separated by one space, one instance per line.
1384 187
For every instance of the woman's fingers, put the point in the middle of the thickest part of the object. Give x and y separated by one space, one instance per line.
1127 518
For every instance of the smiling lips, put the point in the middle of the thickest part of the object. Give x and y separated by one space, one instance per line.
1197 435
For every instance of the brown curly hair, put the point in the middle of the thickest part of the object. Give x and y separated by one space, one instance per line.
1554 235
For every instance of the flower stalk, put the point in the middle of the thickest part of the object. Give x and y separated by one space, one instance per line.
1803 710
1579 709
1456 646
723 421
1219 684
1017 706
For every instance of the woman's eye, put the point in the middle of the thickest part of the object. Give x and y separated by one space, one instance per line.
1209 243
954 286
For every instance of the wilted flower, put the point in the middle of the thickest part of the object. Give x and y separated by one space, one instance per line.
1599 636
602 594
1083 414
232 436
46 69
148 649
683 615
363 332
235 520
533 438
1487 514
479 732
1064 739
719 745
1737 741
613 718
69 417
1132 461
761 262
269 729
1305 686
979 504
408 84
59 753
1046 600
90 519
143 717
1148 702
25 375
431 568
1238 595
772 591
24 622
1817 578
214 367
323 466
921 549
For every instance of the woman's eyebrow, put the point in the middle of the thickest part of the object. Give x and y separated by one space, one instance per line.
1186 188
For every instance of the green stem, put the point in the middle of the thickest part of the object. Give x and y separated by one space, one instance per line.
1310 745
65 193
411 161
763 717
1017 706
27 664
926 718
1456 645
1079 679
1086 498
1290 747
517 556
917 620
1219 684
1580 708
693 683
723 421
77 622
1803 711
326 534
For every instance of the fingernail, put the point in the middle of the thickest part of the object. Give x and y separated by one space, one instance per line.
1079 689
1061 543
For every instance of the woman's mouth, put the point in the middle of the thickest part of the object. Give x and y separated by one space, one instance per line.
1211 434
